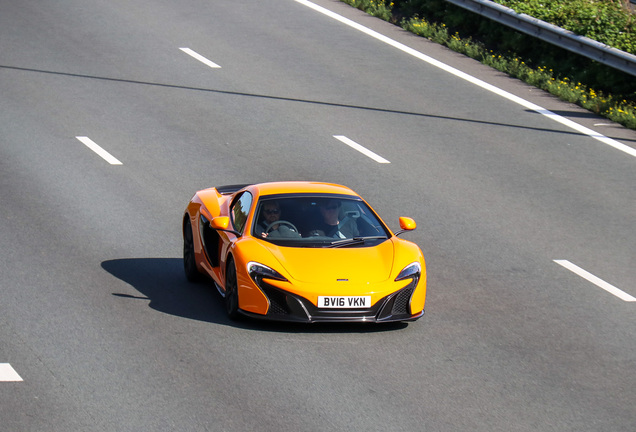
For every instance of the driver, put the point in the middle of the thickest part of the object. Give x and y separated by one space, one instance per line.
268 227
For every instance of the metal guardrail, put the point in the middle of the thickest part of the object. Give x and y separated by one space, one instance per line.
550 33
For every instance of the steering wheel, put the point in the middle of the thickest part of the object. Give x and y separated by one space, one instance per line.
280 222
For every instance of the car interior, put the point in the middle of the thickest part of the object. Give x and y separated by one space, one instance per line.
304 214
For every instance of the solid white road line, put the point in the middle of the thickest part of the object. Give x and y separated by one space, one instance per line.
100 151
199 57
7 373
596 281
361 149
526 104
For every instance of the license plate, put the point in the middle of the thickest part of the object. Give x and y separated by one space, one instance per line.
344 302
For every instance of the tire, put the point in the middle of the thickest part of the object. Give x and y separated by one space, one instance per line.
231 292
189 261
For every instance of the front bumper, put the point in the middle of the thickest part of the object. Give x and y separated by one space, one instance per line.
285 306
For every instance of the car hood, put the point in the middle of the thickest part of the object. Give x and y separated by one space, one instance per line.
322 265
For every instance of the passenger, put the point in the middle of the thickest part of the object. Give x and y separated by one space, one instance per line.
268 227
331 225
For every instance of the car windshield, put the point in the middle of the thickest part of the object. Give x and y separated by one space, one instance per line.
317 221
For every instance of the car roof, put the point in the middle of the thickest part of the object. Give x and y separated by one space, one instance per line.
274 188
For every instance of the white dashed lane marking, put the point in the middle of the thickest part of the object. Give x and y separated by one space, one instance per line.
199 57
595 280
8 374
361 149
100 151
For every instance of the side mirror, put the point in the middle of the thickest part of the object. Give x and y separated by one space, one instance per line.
220 223
406 224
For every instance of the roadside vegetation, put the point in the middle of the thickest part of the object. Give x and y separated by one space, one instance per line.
596 87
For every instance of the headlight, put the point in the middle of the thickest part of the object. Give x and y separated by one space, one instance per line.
411 271
258 271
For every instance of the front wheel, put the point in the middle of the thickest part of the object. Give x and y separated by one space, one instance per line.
231 292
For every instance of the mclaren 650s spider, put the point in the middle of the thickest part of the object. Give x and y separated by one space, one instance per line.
303 252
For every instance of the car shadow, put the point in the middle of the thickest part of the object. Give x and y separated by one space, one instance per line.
162 281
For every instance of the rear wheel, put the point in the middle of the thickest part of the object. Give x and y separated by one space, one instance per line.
231 291
189 263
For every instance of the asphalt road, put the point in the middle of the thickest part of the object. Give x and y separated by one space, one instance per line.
100 325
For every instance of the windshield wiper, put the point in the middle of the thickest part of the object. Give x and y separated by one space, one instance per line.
354 241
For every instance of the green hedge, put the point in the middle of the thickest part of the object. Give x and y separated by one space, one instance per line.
607 21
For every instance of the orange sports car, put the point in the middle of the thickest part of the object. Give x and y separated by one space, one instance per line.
302 251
